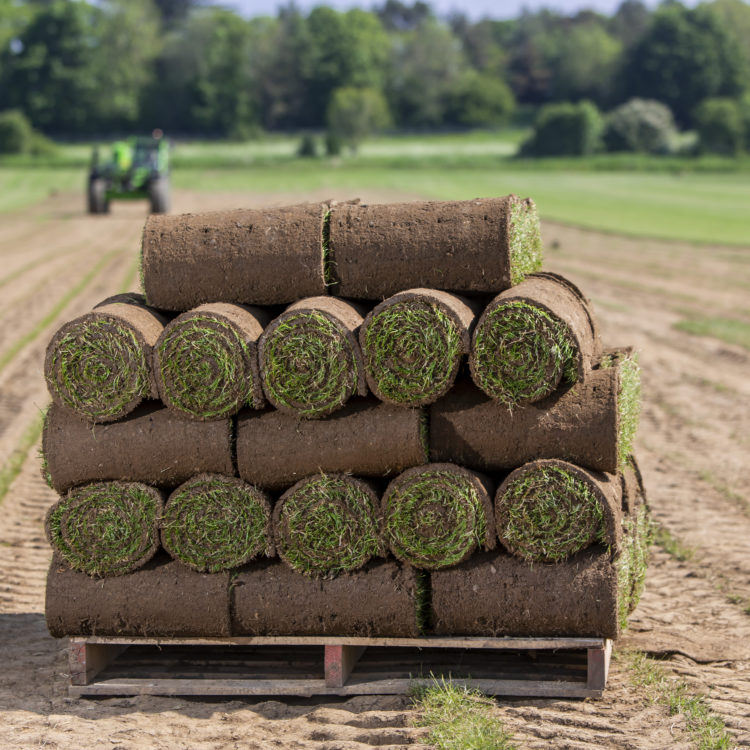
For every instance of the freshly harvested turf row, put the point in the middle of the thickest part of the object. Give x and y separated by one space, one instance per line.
206 361
494 595
99 365
366 438
591 424
380 600
548 510
531 337
164 598
437 515
327 524
106 528
413 344
479 246
152 445
310 360
213 523
252 257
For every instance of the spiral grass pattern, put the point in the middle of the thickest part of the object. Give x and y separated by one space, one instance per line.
520 353
213 523
436 517
204 367
106 528
327 524
548 513
309 363
98 367
412 351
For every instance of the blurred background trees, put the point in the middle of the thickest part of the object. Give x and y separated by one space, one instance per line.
621 82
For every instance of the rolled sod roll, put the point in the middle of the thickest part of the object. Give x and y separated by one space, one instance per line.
253 257
310 359
380 600
162 599
106 528
531 337
366 437
327 524
591 424
206 361
495 595
413 344
213 523
437 515
151 445
99 365
478 246
548 510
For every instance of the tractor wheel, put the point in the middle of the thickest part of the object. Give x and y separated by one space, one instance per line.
97 197
158 193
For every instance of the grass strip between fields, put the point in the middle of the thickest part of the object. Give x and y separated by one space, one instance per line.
14 464
130 275
728 330
706 728
7 356
459 718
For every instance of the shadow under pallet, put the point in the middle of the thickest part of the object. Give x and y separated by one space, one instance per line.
337 666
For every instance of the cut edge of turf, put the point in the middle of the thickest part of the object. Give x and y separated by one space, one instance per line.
628 402
525 240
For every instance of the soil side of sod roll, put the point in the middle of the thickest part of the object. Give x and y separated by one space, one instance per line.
106 528
413 344
213 523
151 445
494 595
548 510
479 246
327 524
437 515
254 257
366 437
380 600
206 361
580 424
532 337
163 599
310 360
100 364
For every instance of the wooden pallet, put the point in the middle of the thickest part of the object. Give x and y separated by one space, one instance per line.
306 666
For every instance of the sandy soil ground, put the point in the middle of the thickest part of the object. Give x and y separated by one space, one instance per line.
55 263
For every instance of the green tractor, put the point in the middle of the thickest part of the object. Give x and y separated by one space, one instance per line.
138 168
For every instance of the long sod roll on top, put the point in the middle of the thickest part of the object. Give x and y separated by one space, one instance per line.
479 246
310 359
99 364
413 344
206 361
253 257
532 337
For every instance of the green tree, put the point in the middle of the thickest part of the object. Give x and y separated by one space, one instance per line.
720 126
640 125
565 129
479 99
355 113
16 133
686 56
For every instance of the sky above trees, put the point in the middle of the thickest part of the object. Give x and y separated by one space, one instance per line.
472 8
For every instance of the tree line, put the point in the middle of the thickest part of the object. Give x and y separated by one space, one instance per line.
76 67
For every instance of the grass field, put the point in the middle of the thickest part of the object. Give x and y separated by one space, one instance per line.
695 200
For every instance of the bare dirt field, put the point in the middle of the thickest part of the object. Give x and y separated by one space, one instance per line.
694 443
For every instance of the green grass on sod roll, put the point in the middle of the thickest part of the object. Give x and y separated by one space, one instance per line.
548 514
633 562
411 351
106 528
435 520
328 525
628 403
204 368
521 352
309 365
215 523
525 241
98 367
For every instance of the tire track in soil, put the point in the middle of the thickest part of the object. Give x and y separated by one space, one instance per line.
680 609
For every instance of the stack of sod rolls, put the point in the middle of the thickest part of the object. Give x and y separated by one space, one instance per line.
338 419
